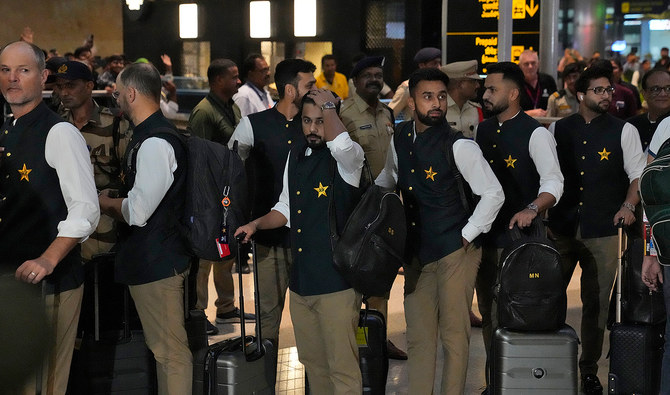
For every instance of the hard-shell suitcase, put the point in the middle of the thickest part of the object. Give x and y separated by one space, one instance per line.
112 357
636 350
534 362
372 351
240 365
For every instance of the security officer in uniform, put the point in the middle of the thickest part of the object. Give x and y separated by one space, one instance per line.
462 113
324 307
370 124
563 103
602 159
522 154
107 136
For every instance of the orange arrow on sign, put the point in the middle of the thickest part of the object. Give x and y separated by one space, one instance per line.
533 8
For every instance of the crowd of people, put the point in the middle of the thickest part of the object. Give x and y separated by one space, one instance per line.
70 178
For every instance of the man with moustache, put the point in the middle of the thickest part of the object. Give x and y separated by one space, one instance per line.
370 124
522 154
215 119
425 58
656 91
324 307
253 96
601 158
463 114
48 205
440 280
264 140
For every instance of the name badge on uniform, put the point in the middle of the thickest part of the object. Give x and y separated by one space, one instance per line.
368 126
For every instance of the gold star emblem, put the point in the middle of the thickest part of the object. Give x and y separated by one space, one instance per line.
430 174
24 173
510 162
604 155
321 190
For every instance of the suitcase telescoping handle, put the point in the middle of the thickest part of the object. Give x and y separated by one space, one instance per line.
622 246
259 351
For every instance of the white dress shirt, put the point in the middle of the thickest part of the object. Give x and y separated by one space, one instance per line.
661 135
65 151
156 163
634 159
251 100
349 156
244 135
476 172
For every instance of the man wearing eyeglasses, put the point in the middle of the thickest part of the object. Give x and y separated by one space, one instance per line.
601 159
656 91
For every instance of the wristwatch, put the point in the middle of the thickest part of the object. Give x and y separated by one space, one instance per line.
628 206
532 206
329 105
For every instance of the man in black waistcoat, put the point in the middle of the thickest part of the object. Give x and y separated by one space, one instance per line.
47 202
324 307
440 281
152 258
601 159
522 154
264 140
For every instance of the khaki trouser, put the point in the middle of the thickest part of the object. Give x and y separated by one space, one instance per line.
439 306
223 282
273 276
325 334
63 312
598 259
160 305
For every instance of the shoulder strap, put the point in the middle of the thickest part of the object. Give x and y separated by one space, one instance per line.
332 216
449 153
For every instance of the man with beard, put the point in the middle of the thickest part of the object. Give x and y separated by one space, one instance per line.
370 124
601 158
324 307
656 91
264 140
522 154
442 258
425 58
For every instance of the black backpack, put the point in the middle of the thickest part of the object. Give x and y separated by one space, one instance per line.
530 289
370 249
216 189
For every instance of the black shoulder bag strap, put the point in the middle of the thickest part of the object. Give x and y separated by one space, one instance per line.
449 153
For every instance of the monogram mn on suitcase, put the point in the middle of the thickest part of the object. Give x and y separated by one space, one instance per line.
636 350
372 351
534 362
234 366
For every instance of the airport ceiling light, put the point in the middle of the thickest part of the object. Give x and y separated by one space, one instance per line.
259 19
304 18
134 5
188 20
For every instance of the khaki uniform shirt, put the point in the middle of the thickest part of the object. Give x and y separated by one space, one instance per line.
463 119
98 133
371 128
562 104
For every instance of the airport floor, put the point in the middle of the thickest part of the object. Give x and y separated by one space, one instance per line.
290 377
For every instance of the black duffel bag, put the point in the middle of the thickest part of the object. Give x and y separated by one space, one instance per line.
530 290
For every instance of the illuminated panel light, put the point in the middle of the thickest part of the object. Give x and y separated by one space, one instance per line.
633 16
259 19
659 24
304 17
134 5
188 20
619 46
632 23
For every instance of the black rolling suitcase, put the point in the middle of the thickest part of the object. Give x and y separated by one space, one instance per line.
372 351
112 358
241 365
636 350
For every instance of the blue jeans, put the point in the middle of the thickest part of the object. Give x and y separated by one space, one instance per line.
665 369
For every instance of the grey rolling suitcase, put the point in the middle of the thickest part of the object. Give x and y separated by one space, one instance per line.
534 362
240 365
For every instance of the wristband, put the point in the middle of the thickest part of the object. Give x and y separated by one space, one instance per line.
628 206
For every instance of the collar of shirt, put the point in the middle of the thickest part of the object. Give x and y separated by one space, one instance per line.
363 106
214 99
94 118
501 123
260 92
155 120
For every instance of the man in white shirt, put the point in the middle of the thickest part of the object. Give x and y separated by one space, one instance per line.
440 281
253 97
47 202
153 258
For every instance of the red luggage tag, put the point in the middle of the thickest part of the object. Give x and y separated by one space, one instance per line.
222 242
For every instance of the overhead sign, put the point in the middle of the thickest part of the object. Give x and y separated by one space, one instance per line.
641 6
472 32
